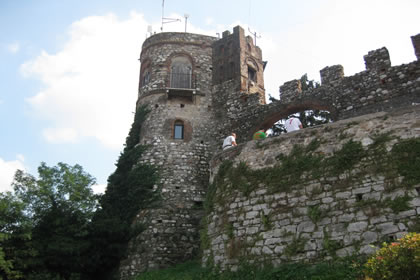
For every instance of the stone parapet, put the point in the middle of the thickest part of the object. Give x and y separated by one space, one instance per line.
314 215
378 60
416 44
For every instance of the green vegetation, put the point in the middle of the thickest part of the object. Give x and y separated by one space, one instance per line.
44 223
295 247
315 213
397 260
54 227
345 269
130 189
304 163
399 203
406 156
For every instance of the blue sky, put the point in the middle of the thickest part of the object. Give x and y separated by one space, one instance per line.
69 68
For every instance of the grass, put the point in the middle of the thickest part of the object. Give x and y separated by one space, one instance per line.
344 269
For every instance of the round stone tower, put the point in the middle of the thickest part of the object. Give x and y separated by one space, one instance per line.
175 84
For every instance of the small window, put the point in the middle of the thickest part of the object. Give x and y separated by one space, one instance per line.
146 77
179 130
252 74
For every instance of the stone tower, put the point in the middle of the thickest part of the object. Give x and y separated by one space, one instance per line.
235 57
181 79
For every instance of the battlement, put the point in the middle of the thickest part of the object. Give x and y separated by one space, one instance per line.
416 44
331 74
236 57
380 87
378 60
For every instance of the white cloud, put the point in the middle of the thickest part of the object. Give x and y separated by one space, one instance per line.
14 47
60 135
90 85
7 172
99 188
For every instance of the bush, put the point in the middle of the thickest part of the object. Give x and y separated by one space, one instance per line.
397 260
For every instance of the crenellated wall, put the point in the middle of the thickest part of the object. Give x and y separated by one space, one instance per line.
381 87
332 190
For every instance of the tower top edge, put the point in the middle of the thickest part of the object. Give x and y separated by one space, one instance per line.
180 37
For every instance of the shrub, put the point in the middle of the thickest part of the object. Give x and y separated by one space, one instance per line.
397 260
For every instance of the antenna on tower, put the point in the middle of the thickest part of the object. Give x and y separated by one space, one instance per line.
186 16
164 19
255 36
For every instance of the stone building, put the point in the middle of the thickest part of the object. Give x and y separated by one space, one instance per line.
200 89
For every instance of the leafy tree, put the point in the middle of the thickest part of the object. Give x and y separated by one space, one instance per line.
307 118
130 189
15 233
51 214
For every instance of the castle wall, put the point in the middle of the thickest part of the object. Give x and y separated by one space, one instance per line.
381 87
312 213
213 87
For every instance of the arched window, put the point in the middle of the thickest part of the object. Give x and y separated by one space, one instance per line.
252 74
179 129
252 70
181 72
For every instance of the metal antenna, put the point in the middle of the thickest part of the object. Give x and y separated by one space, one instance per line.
166 20
186 16
255 36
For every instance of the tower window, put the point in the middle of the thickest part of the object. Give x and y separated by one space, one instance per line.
181 73
252 74
146 77
179 130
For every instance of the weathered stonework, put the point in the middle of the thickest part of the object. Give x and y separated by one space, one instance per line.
199 89
316 218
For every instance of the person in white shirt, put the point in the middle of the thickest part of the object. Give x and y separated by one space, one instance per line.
293 124
229 141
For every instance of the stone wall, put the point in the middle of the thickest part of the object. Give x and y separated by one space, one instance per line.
347 185
381 87
221 99
171 226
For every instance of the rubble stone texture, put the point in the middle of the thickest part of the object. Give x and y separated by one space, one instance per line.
214 86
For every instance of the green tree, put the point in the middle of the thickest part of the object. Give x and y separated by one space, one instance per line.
53 211
15 233
130 189
307 118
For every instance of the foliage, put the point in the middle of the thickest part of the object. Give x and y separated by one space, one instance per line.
344 159
130 188
315 213
397 260
338 269
399 203
307 118
296 246
59 186
14 235
44 223
406 157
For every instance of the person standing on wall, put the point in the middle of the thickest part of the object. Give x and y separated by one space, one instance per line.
293 124
229 141
260 134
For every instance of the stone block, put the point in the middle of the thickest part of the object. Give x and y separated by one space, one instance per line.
387 228
307 226
357 226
